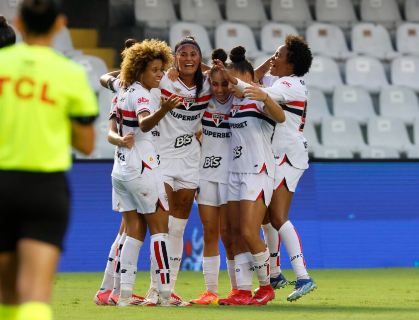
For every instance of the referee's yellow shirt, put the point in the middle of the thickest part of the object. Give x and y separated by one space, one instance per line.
40 91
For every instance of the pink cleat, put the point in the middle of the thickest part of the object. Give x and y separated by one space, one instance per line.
101 298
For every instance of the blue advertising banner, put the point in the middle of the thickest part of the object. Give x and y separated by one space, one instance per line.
348 215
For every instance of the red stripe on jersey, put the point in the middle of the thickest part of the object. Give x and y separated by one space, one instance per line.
263 168
157 254
301 248
142 110
283 161
146 165
199 100
260 195
247 106
300 104
204 98
129 114
209 115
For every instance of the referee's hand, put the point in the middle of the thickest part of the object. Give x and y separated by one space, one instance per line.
128 141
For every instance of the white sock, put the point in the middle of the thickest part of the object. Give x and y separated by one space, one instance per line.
129 260
109 276
273 241
244 271
261 263
231 267
176 230
293 245
117 267
153 275
211 269
158 250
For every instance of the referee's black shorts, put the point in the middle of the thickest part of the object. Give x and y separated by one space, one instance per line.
33 206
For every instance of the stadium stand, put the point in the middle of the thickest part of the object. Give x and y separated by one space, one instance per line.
317 106
372 40
411 10
260 60
353 102
229 35
183 29
342 132
250 12
333 153
9 8
404 72
206 13
324 74
385 12
95 67
408 38
274 33
388 132
367 72
328 40
413 153
379 153
311 137
338 12
399 102
294 12
156 14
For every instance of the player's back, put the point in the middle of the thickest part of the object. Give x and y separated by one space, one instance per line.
40 91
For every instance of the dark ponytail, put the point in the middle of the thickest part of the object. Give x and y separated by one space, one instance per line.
38 16
217 54
198 77
239 61
7 34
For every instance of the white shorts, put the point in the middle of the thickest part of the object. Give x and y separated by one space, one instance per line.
144 193
212 193
250 186
181 173
286 174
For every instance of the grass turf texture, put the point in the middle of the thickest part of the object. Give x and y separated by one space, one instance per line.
341 294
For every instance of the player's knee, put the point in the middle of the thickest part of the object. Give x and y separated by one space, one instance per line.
211 233
278 221
227 241
249 235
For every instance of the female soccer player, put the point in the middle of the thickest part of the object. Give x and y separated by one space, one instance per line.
290 62
7 34
251 180
41 118
136 178
213 183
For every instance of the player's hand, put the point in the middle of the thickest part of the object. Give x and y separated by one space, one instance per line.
170 103
254 93
219 65
128 140
173 74
198 134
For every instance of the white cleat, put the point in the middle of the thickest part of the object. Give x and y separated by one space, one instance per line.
177 301
152 296
131 301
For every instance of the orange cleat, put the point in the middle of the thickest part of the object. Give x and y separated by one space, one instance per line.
206 298
101 298
238 299
262 296
233 292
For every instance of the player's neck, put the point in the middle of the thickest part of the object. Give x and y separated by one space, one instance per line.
188 80
44 41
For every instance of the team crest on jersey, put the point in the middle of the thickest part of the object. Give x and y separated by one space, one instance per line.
151 159
234 110
188 102
218 118
178 90
212 106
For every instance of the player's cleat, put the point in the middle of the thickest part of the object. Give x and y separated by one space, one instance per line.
233 292
101 298
113 300
131 301
206 298
152 297
164 302
238 299
262 296
177 301
302 287
277 283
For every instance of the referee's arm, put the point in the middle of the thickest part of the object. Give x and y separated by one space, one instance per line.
83 136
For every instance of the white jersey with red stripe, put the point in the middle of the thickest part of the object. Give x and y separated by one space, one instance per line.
114 104
252 132
216 135
129 163
178 127
291 93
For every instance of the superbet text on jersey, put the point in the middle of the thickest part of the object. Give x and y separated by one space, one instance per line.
178 127
216 135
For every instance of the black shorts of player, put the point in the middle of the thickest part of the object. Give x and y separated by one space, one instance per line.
33 206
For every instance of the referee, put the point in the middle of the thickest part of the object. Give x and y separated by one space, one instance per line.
46 106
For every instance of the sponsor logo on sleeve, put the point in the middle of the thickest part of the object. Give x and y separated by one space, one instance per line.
286 83
142 100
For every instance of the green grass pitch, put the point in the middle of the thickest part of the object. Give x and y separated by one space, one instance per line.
341 294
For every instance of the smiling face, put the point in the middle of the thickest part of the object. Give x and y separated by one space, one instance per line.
188 60
219 86
152 75
246 77
279 63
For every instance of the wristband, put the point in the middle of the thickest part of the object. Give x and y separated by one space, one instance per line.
109 84
267 95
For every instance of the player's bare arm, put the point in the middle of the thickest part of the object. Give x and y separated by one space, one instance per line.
114 138
83 136
262 69
108 79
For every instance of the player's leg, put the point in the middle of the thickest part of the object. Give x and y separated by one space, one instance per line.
116 291
8 294
280 205
273 241
102 296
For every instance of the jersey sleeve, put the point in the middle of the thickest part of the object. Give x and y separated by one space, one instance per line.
83 102
114 104
275 94
268 81
282 91
141 102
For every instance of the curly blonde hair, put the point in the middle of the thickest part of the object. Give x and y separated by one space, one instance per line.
137 57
